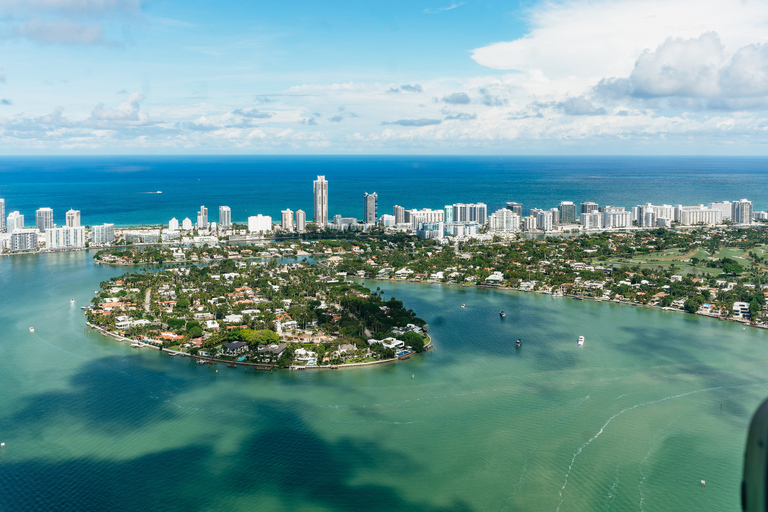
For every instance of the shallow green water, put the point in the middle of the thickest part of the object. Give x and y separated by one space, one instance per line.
653 403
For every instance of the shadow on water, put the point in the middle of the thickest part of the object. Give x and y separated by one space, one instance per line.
105 394
287 462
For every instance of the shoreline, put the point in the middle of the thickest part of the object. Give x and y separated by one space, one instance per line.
577 297
259 366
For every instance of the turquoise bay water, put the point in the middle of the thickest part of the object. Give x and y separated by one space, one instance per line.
653 403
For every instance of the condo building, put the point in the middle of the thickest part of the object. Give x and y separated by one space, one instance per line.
286 220
73 219
301 221
320 188
105 233
567 212
44 219
202 218
370 208
225 217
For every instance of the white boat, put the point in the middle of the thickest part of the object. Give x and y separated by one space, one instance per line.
581 340
135 345
463 306
72 301
31 329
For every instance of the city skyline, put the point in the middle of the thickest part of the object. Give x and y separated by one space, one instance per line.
571 77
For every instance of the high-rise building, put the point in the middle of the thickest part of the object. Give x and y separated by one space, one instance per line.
225 216
44 219
202 218
173 224
301 221
399 213
448 209
472 212
2 215
504 220
589 207
555 215
544 220
73 219
65 238
105 234
370 208
425 216
260 224
592 220
567 212
725 206
15 221
24 240
286 223
186 224
515 207
741 212
321 201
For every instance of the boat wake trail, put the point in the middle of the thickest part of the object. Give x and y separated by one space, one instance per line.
608 422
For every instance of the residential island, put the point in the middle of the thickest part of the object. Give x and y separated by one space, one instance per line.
258 313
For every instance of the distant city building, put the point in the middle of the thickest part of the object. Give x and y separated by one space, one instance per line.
73 219
387 220
589 207
2 215
399 213
741 212
225 217
286 223
142 236
24 240
641 214
186 224
105 234
616 217
65 238
301 221
530 222
202 218
320 188
260 224
567 212
504 220
448 213
695 215
462 229
425 216
724 206
15 221
173 224
430 230
472 212
44 219
555 215
593 220
515 207
370 208
544 220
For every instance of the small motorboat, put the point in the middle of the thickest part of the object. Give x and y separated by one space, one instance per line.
581 341
463 306
31 329
502 314
518 343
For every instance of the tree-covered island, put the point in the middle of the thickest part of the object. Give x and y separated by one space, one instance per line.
277 315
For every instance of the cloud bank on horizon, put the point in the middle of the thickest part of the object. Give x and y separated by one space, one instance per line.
583 76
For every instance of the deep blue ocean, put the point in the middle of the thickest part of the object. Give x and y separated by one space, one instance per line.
122 190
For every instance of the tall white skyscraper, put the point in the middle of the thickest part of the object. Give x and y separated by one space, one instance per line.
225 216
15 221
44 219
370 208
173 224
202 218
301 221
321 201
73 219
186 224
2 215
286 223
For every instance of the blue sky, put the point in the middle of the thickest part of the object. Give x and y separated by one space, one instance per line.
472 77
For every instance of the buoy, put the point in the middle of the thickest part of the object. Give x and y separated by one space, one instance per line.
413 377
703 483
217 371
